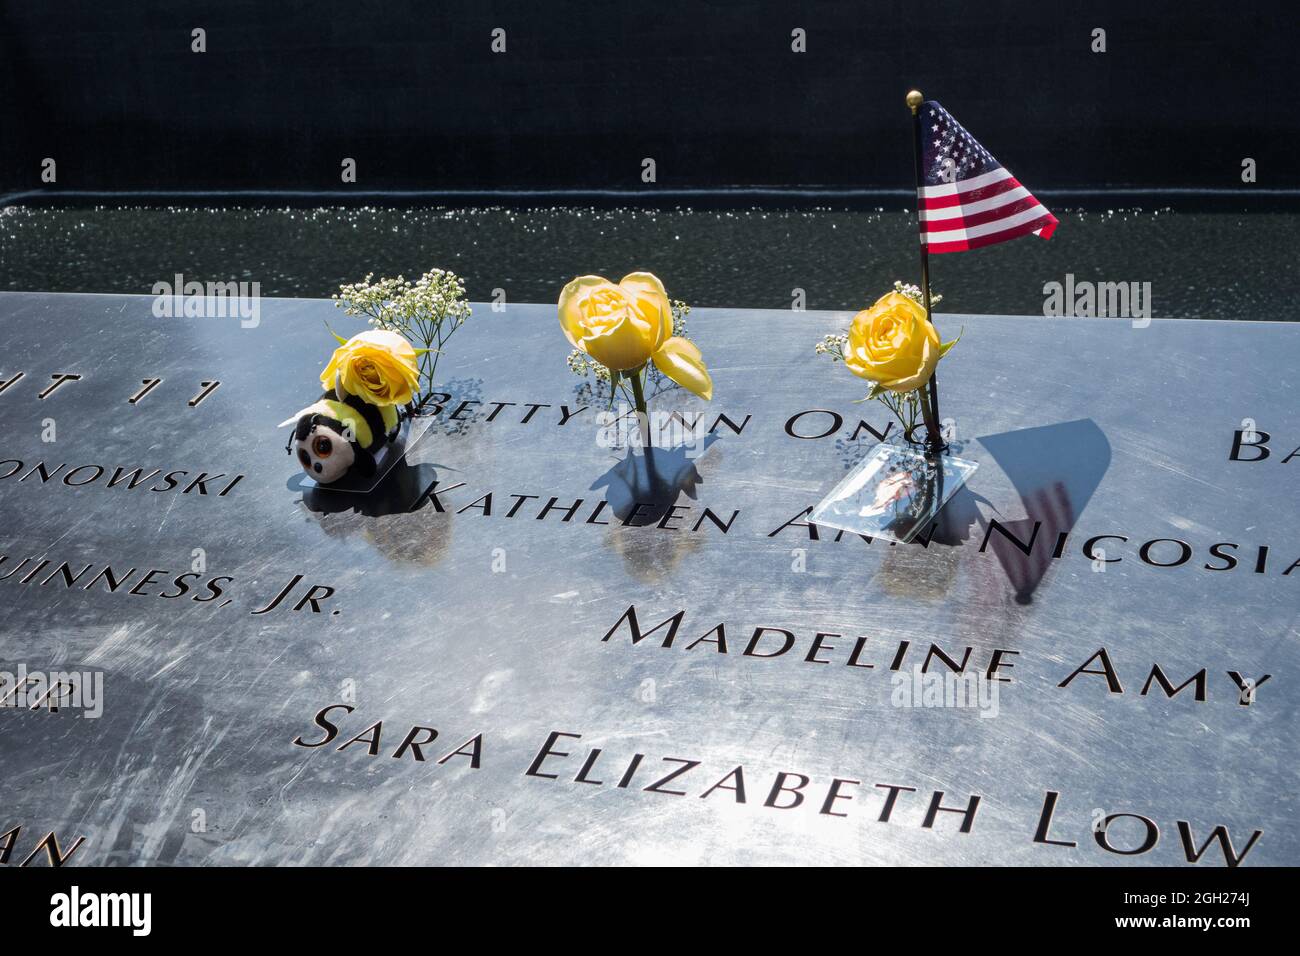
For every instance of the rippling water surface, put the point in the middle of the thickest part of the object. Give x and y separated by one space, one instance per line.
1199 265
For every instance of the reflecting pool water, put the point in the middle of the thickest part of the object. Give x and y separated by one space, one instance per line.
1224 265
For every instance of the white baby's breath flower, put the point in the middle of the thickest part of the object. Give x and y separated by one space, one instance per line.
425 312
914 293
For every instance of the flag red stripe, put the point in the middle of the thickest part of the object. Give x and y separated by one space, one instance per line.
974 195
1046 223
979 218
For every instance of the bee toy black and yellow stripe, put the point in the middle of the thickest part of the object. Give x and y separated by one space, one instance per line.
336 437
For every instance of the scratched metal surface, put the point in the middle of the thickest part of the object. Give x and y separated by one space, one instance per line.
485 624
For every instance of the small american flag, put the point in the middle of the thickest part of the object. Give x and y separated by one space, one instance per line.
967 199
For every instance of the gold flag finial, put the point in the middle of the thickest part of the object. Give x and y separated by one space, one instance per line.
915 99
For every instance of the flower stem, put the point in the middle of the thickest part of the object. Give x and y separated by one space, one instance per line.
934 442
638 395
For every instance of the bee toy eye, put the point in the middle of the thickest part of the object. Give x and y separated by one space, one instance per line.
303 458
322 446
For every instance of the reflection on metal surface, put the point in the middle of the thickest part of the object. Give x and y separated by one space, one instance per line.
526 646
1056 469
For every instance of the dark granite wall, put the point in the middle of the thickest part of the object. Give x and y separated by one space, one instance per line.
584 92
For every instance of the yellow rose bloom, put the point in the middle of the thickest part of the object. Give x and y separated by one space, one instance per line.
626 325
893 344
378 366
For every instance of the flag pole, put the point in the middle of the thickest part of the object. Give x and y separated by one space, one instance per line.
930 402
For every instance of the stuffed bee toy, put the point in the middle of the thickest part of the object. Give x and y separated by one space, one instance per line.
335 438
345 432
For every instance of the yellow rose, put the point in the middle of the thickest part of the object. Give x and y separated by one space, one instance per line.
378 366
626 325
893 344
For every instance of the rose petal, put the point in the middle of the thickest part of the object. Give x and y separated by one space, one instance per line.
652 303
681 361
929 359
622 345
571 297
